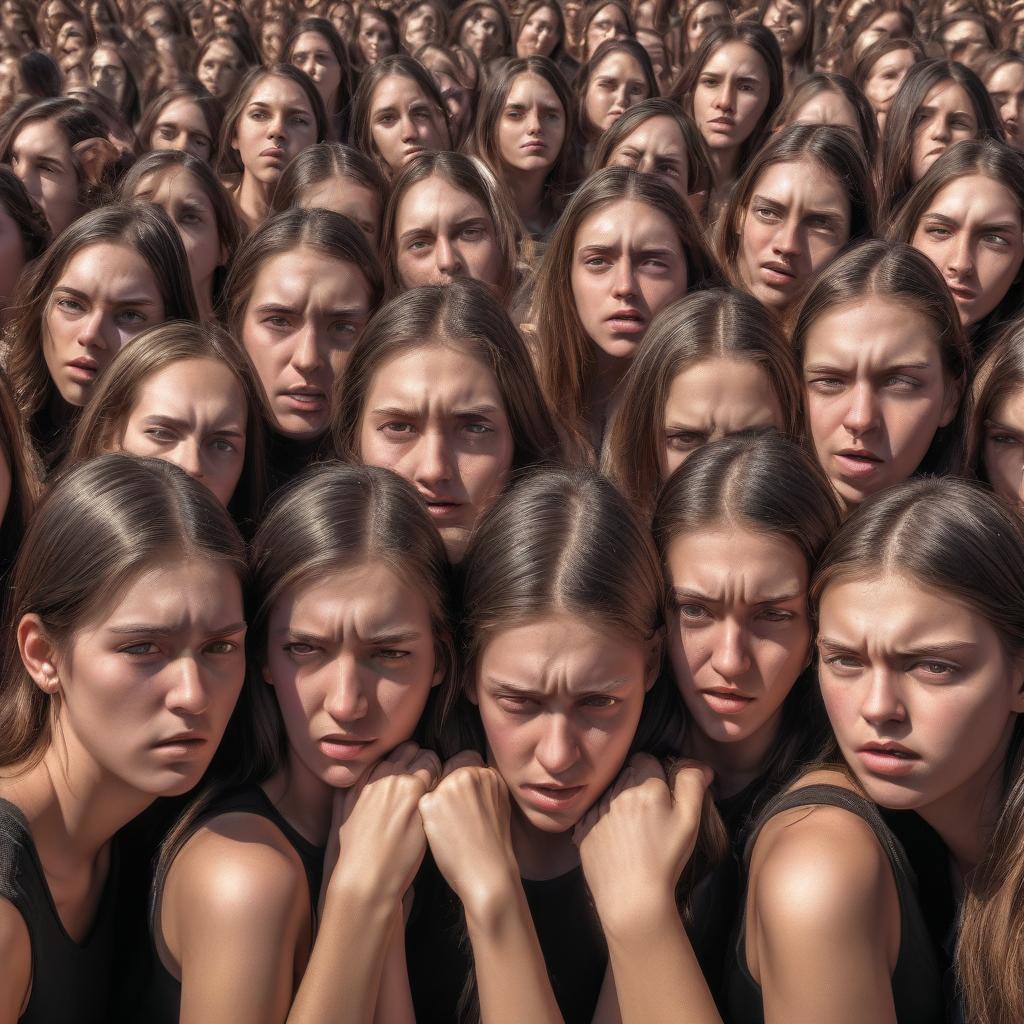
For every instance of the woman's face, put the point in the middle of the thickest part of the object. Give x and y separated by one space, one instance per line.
192 413
276 124
972 232
181 196
436 416
739 632
788 23
1003 450
796 221
182 126
966 42
483 34
539 35
343 18
876 391
403 122
884 80
147 688
374 38
560 700
41 158
712 399
422 26
12 256
656 147
302 319
608 23
1006 87
702 20
946 117
617 83
829 108
108 74
731 95
105 296
360 204
458 102
919 689
531 129
71 39
220 68
885 26
628 263
272 40
351 658
442 233
312 53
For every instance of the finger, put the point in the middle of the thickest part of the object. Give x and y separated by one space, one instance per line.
427 767
690 784
646 767
402 756
463 759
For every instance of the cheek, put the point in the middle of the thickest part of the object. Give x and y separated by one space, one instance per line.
374 451
298 693
486 475
401 705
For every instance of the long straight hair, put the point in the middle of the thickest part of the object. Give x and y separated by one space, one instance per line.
961 542
999 375
581 83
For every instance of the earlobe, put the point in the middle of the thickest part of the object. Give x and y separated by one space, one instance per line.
38 654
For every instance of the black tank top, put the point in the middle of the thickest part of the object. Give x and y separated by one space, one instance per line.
71 981
917 976
161 1002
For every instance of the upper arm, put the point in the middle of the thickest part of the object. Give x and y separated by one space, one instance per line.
234 912
822 920
16 956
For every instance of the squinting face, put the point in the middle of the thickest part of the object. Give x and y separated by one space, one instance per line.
302 319
702 19
628 263
42 159
312 53
876 392
435 415
403 122
919 690
730 96
740 632
360 204
351 659
106 295
192 413
788 23
972 232
1003 450
945 117
560 700
608 23
617 84
148 689
182 126
1006 87
442 233
656 147
712 399
796 221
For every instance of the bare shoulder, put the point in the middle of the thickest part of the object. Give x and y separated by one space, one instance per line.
16 956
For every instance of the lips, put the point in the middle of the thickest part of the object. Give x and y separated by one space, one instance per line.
338 747
778 275
305 399
722 124
961 292
725 701
551 797
857 462
627 321
889 758
274 153
181 745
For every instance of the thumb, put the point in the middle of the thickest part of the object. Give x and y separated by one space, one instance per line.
690 782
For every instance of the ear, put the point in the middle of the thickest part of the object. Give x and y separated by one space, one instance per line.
93 156
655 649
951 401
38 654
441 666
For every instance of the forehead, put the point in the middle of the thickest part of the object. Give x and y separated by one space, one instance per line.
434 200
895 59
274 89
801 179
1010 408
40 137
445 372
737 58
767 562
608 12
394 90
311 41
175 184
531 88
976 195
619 65
949 96
304 273
659 132
221 49
871 331
716 383
106 55
626 220
190 382
1007 76
107 263
185 111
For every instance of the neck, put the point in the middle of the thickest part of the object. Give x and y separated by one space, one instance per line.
303 799
204 299
599 392
527 188
541 855
724 163
736 764
253 201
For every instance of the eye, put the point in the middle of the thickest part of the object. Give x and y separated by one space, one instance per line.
277 322
70 305
474 233
391 654
140 649
693 612
601 703
768 215
684 440
479 429
900 383
131 316
161 434
826 384
1003 439
298 649
938 233
776 615
397 429
597 262
841 662
222 444
937 669
515 705
221 647
166 132
997 240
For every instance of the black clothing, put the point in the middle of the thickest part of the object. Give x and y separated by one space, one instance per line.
71 981
161 1003
917 977
439 957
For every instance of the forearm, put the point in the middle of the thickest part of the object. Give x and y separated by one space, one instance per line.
394 1002
656 973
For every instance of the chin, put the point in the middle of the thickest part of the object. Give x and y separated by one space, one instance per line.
550 822
342 776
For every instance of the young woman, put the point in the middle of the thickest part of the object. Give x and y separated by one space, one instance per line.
24 235
792 24
112 75
440 389
60 151
711 365
223 59
540 32
335 177
801 201
186 117
481 28
124 659
656 137
188 394
376 36
617 76
297 297
731 88
997 420
275 114
423 23
350 635
878 413
457 75
445 221
1003 75
112 274
938 104
967 216
625 248
397 113
880 71
525 134
316 48
189 193
697 20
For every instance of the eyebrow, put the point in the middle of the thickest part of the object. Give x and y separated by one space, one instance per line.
683 594
996 425
939 218
172 421
826 643
140 300
392 636
483 409
266 106
527 691
146 627
824 368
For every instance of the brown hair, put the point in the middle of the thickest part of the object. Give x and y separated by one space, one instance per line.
818 84
323 28
209 106
998 376
25 480
581 83
321 162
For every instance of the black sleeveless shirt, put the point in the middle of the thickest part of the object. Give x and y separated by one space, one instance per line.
71 981
917 976
161 1002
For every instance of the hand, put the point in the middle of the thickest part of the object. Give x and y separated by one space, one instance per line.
466 820
635 842
376 832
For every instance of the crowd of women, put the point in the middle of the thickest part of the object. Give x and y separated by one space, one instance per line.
512 514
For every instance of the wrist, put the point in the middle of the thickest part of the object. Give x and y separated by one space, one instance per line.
637 919
487 899
364 889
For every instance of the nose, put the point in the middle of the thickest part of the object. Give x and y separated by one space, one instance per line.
724 99
29 177
447 257
940 129
187 456
862 412
408 129
434 464
557 751
646 164
187 693
533 122
730 657
275 127
961 259
786 241
90 330
624 284
306 356
881 701
621 97
346 700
